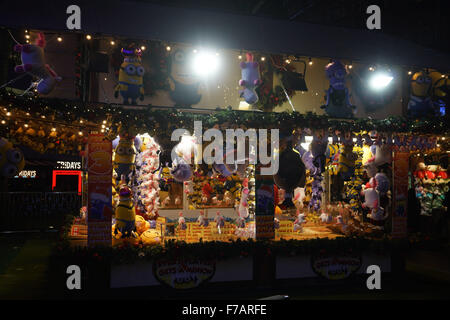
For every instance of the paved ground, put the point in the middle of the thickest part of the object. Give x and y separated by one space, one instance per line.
24 263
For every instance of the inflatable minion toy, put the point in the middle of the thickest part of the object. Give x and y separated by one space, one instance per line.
420 103
125 215
131 77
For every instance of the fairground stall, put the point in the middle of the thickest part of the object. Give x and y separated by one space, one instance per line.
274 171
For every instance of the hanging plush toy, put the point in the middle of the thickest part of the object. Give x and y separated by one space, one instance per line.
125 155
250 79
33 62
420 103
337 99
181 170
243 204
11 159
131 77
184 84
125 214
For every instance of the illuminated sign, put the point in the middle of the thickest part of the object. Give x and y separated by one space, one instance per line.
68 165
26 174
56 173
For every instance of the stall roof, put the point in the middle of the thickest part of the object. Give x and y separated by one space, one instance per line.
139 20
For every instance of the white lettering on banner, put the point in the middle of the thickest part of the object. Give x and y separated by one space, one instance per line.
26 174
69 165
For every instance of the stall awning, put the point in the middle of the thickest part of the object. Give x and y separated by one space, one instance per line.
221 30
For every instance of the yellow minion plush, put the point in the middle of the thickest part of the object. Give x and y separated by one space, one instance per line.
332 158
131 76
124 158
125 214
11 159
346 166
420 103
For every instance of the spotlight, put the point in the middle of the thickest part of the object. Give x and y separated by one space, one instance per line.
263 58
59 39
288 61
310 62
410 72
8 114
240 57
112 42
3 121
88 37
205 63
27 36
143 48
371 68
168 48
379 81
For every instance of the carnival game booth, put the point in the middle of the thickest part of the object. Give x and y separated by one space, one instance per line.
338 203
180 196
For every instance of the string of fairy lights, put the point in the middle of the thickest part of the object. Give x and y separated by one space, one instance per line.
46 116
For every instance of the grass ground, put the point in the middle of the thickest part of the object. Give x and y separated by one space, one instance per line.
24 275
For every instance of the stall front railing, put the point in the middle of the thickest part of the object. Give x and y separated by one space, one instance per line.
26 211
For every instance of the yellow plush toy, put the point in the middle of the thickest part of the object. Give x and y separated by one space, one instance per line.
131 77
141 224
125 215
11 159
151 237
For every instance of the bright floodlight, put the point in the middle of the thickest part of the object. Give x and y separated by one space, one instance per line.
205 63
380 81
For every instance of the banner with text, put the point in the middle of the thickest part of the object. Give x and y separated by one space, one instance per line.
99 190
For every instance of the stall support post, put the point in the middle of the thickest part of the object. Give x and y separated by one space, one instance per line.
400 168
264 260
99 190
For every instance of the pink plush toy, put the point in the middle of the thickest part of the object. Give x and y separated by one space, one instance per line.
243 204
33 62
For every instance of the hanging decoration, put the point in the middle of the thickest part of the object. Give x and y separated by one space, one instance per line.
147 181
420 103
184 84
337 96
125 154
33 62
250 79
131 75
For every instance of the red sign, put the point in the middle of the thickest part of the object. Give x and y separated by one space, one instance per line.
400 177
99 190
